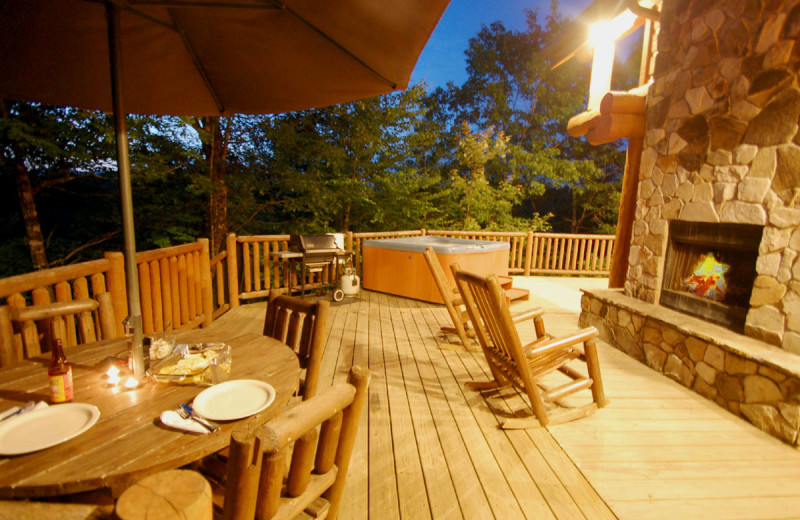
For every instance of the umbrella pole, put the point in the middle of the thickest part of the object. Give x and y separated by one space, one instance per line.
134 318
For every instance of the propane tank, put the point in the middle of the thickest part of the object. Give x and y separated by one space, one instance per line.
350 282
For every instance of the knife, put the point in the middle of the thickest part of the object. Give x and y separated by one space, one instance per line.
208 424
25 409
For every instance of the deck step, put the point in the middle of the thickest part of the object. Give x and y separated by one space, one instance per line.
517 294
505 282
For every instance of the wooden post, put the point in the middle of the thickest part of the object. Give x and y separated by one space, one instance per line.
146 297
8 351
359 377
233 271
528 253
627 211
205 283
115 284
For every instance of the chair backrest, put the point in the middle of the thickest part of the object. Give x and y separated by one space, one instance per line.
24 329
487 305
301 325
320 457
452 299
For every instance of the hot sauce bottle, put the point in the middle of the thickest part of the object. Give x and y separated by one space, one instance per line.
60 374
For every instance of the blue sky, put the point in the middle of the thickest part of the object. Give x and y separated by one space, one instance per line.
443 60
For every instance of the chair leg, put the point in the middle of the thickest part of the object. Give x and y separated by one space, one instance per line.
482 385
520 423
593 366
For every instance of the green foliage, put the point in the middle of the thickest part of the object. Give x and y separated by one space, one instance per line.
359 165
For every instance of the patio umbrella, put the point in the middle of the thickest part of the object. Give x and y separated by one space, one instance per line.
205 57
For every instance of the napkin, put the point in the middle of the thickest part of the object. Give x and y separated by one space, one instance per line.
173 420
14 409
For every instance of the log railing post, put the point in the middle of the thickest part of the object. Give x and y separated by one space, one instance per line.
205 283
233 271
115 284
528 253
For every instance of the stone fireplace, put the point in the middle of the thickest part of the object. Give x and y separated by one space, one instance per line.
719 174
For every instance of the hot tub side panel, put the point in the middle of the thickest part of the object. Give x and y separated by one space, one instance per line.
405 273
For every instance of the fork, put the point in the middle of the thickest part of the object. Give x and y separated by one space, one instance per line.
185 412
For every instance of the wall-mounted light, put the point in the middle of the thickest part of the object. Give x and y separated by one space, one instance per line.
603 36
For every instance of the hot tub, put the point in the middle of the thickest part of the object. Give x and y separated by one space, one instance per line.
396 265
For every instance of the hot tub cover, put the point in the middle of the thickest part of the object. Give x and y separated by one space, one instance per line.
440 245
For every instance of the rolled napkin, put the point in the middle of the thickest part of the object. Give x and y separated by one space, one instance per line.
173 420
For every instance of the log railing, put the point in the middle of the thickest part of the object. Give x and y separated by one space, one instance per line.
175 287
559 253
254 273
63 284
181 287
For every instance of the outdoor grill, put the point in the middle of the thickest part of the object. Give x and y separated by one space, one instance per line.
318 252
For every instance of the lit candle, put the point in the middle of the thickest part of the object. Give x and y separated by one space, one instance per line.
131 382
113 376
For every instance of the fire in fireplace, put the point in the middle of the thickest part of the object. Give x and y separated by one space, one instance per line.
710 269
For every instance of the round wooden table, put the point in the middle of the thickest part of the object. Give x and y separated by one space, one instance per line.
129 442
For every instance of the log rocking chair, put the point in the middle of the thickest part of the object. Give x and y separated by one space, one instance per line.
523 366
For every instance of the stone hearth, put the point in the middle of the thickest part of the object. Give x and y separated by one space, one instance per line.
756 381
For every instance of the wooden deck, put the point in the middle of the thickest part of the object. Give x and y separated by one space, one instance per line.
430 448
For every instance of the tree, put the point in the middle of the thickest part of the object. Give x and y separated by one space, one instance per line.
359 165
47 148
512 89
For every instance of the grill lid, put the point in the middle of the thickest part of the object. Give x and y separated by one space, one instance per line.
313 244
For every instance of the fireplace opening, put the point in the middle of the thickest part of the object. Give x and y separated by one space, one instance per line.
710 269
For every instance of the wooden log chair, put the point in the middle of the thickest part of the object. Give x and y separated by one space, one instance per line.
458 313
524 367
23 330
302 325
452 300
315 438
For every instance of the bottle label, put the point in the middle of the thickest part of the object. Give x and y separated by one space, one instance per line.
61 387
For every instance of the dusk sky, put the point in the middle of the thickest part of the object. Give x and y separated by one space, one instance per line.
443 60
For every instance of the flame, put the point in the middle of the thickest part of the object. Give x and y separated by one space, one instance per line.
708 278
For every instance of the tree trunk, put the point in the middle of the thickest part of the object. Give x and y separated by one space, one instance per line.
33 230
215 149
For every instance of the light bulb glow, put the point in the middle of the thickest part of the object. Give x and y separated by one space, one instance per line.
601 33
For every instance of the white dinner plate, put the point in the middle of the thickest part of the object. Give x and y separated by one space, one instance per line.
234 399
47 427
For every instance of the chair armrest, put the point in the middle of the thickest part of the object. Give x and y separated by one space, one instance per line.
533 350
517 317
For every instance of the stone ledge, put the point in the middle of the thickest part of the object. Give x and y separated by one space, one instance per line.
754 380
745 346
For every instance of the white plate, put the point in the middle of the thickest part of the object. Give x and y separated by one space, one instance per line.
234 399
47 427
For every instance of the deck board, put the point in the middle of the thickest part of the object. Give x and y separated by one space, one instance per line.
429 447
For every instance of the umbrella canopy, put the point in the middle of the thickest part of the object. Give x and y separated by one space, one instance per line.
212 57
204 57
